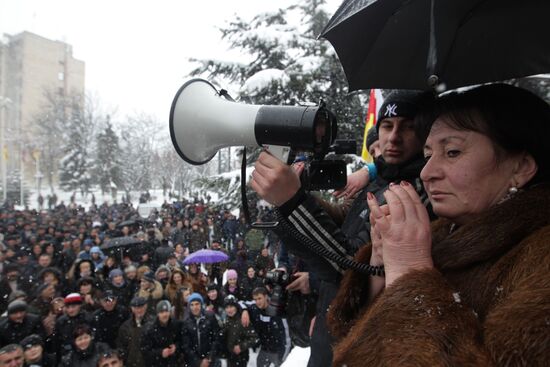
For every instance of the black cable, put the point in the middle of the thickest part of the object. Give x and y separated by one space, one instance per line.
322 251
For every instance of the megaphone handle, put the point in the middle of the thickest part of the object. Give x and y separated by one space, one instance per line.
280 152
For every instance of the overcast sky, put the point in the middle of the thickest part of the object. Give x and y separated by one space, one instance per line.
135 51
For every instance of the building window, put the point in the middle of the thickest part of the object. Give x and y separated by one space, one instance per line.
61 76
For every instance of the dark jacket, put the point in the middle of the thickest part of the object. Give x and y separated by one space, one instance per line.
62 337
272 331
106 324
234 333
248 285
129 341
485 303
201 338
156 337
13 332
86 358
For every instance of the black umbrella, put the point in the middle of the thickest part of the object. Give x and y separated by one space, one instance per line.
417 44
120 242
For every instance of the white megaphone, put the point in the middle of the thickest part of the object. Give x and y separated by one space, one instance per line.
202 121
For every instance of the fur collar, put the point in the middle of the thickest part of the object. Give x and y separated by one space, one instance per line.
493 232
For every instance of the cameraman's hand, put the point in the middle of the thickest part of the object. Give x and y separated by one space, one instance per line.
273 180
356 181
300 283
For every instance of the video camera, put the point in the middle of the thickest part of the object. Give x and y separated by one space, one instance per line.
277 280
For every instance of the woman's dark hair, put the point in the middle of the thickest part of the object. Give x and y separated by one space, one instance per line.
514 119
81 330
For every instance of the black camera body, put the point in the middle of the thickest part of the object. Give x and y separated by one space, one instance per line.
277 280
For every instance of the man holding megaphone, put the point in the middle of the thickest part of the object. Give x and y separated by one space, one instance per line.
280 185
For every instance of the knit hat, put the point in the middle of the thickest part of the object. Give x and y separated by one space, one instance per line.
95 250
230 300
232 274
211 287
17 306
73 299
163 306
129 269
114 273
149 276
88 242
195 297
400 103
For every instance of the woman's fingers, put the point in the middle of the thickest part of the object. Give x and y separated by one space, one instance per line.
377 213
421 211
395 205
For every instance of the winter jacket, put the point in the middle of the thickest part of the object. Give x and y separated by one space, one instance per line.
13 332
197 240
486 302
272 331
156 337
152 296
234 333
201 338
248 285
264 264
129 341
87 358
106 324
62 337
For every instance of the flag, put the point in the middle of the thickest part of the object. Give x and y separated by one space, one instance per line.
375 99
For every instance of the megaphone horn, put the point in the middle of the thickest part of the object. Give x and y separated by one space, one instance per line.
202 122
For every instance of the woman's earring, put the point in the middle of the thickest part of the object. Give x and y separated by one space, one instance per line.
512 191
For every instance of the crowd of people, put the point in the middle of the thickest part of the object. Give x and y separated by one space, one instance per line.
105 287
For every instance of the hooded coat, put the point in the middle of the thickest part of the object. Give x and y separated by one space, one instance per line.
486 302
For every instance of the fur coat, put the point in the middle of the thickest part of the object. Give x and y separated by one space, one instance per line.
487 302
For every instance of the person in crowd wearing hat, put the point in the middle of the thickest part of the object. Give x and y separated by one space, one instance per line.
201 334
34 353
151 290
162 275
232 286
62 336
19 324
343 229
110 359
85 351
130 274
11 355
97 257
271 328
214 301
161 341
85 253
129 335
107 320
236 339
9 283
197 236
118 285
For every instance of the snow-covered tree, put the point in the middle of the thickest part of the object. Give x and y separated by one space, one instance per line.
74 167
108 168
287 64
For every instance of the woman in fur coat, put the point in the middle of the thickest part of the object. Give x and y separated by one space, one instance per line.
474 288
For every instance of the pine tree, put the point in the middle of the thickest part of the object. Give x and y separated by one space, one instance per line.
298 67
109 167
75 165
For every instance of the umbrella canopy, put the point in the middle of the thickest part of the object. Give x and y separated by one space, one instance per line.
206 257
417 44
120 242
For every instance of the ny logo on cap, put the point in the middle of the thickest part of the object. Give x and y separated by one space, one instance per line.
391 110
